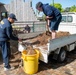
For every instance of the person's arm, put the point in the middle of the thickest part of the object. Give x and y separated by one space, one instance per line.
47 25
9 33
48 22
49 18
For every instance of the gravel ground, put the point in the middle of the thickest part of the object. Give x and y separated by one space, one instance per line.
52 68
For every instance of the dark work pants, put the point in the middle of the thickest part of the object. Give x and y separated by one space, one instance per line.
5 46
54 23
9 50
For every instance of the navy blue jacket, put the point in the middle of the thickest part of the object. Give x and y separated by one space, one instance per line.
50 10
6 31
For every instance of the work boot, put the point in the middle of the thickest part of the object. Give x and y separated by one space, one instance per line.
10 68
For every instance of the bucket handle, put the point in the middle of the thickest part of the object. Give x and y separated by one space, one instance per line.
24 58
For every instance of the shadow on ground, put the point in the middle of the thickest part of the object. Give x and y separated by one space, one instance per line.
53 64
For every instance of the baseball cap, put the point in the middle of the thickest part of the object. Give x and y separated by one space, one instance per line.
39 4
12 16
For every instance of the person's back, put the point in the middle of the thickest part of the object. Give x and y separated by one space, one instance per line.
50 10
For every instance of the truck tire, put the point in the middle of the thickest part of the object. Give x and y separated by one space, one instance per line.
62 55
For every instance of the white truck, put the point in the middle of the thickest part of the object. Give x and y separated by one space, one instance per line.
59 46
68 22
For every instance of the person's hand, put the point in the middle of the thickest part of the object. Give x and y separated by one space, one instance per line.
20 40
47 17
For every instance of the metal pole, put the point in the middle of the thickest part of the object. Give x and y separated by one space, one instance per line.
53 2
33 27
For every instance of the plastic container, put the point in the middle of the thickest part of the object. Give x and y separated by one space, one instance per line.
30 62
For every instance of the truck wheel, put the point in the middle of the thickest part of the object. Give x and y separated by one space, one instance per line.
62 55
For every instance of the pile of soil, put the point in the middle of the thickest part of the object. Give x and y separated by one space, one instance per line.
30 50
42 39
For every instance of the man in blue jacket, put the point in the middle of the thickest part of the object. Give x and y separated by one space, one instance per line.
5 36
53 16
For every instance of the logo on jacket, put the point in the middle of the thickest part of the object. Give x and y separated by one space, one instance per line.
1 23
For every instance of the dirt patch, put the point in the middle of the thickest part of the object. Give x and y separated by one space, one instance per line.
42 39
30 50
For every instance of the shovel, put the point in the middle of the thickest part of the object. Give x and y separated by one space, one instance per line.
47 30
